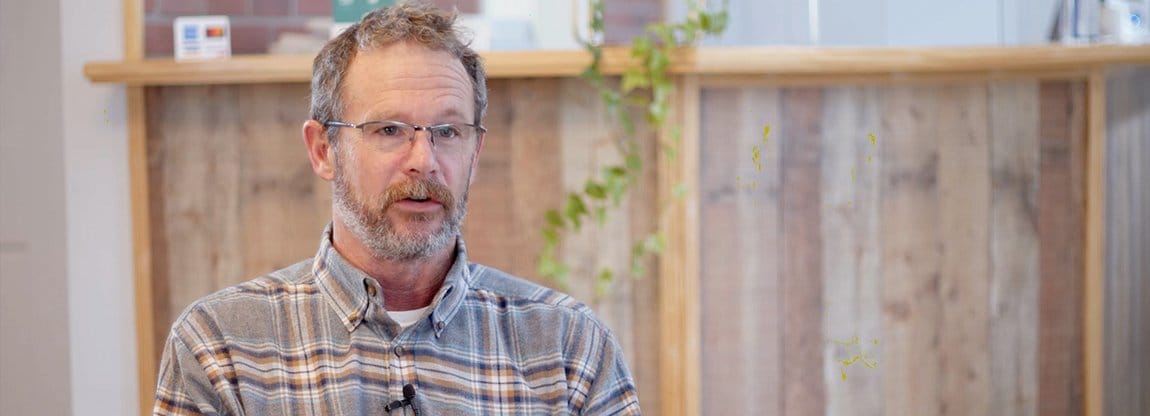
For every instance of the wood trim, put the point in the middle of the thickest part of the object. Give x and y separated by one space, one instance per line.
679 267
141 211
1095 274
133 30
701 61
142 248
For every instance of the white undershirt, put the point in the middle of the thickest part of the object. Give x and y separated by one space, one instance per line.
407 318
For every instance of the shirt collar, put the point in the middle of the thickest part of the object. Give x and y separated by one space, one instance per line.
346 287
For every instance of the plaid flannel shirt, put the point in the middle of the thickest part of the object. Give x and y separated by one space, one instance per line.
314 339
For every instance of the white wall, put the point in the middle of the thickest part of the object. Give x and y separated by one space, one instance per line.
66 318
100 298
34 358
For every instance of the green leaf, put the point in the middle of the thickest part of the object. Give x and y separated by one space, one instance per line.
550 239
595 190
576 209
657 63
600 215
603 281
641 46
606 275
554 218
637 269
634 78
654 243
634 162
597 12
705 22
666 34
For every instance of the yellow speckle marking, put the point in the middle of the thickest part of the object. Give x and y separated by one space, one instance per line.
868 360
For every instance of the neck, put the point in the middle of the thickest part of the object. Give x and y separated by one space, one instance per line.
406 284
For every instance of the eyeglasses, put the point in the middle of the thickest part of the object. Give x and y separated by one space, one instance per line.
390 136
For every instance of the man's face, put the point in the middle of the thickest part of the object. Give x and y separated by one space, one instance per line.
408 203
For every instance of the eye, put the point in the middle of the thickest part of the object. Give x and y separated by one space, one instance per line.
386 130
445 131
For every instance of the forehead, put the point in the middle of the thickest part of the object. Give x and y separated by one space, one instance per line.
406 80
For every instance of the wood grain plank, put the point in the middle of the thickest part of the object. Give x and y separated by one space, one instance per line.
283 205
588 146
851 248
196 158
760 213
803 390
740 296
964 194
1140 83
1060 204
1014 247
490 201
643 215
679 279
1093 293
1127 244
910 287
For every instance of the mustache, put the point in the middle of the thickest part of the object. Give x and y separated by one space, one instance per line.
419 188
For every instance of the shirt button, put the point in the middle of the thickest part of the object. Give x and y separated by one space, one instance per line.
371 290
439 325
398 350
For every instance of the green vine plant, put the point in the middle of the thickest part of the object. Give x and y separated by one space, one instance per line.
647 88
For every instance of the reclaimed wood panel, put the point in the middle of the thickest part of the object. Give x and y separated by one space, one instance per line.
1061 203
1014 247
282 202
964 192
803 392
1126 374
934 251
521 155
741 292
233 197
194 155
910 251
851 255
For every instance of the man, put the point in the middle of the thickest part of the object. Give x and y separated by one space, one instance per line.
390 317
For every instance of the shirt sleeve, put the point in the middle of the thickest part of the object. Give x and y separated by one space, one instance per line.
183 386
605 385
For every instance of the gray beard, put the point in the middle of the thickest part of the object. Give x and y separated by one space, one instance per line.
378 232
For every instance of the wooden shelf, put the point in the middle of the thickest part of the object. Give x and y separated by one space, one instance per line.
702 61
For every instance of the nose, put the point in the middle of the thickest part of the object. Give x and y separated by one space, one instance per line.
421 157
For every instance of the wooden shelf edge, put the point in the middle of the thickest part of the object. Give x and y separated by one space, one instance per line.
697 61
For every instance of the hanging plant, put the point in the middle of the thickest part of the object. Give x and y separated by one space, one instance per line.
646 87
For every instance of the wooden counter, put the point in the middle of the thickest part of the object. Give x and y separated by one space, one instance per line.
706 61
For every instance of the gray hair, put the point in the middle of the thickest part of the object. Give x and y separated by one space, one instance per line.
417 22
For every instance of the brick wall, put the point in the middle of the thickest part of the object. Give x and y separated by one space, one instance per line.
257 23
625 19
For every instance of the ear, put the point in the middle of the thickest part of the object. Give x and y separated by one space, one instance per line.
475 158
319 150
